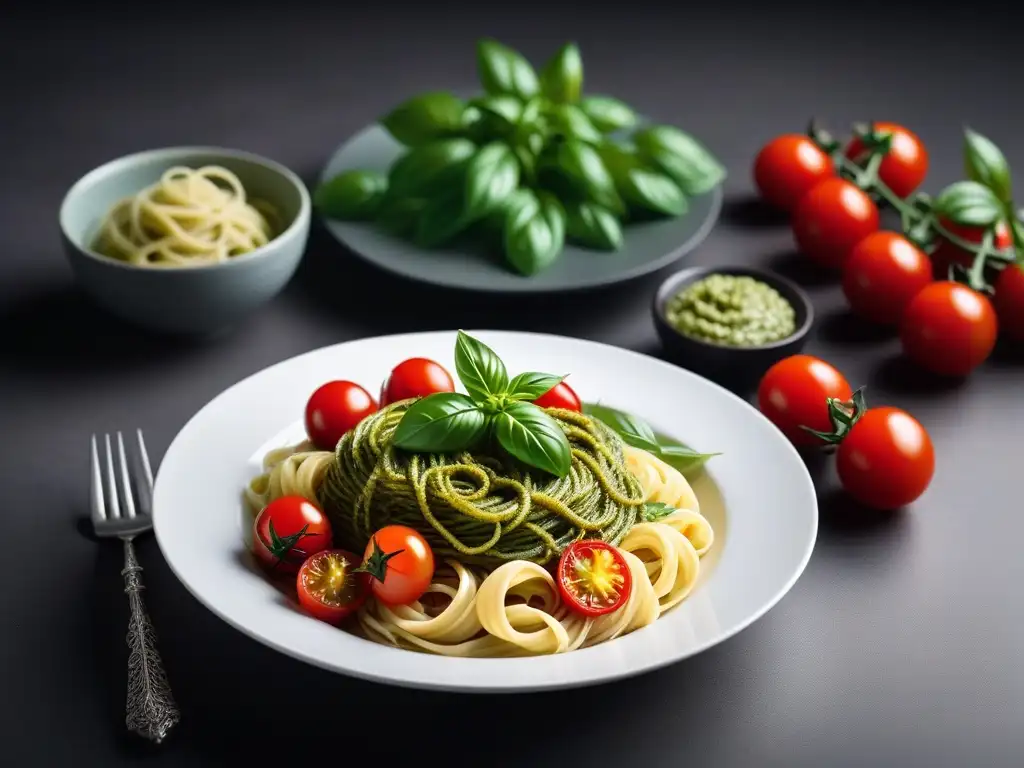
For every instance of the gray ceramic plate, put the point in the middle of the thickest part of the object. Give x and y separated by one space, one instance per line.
648 246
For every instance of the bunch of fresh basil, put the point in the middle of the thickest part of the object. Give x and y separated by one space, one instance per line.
496 406
529 164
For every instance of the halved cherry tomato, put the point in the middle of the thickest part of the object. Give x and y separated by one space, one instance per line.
793 393
787 167
593 578
287 531
882 274
905 164
946 253
948 328
831 218
334 409
330 588
415 377
886 460
1009 302
560 396
401 564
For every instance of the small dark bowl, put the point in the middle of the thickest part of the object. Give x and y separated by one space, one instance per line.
728 365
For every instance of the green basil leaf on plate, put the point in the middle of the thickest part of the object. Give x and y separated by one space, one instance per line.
986 164
480 370
399 215
608 114
531 385
533 437
685 459
492 174
504 70
592 226
570 121
534 231
583 166
352 195
561 80
425 118
656 510
633 431
969 203
444 422
424 169
443 217
652 191
680 156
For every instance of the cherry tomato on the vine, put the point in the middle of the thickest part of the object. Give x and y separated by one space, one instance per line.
787 167
886 460
948 328
905 164
831 218
560 396
334 409
329 587
882 274
946 253
400 563
1009 302
415 377
287 531
793 393
593 578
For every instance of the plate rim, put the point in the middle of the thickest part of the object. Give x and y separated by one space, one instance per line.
716 197
508 686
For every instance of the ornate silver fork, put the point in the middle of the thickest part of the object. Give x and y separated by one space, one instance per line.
150 711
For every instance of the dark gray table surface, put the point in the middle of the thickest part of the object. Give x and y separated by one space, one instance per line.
899 646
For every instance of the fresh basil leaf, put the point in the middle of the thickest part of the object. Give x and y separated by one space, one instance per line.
442 219
480 370
685 160
969 203
443 422
686 460
652 191
529 386
504 70
492 174
986 165
592 226
429 167
533 437
534 231
582 165
424 118
608 114
569 121
656 510
633 431
527 163
399 215
352 195
504 106
561 80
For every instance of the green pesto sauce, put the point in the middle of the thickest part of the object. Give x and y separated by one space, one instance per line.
734 310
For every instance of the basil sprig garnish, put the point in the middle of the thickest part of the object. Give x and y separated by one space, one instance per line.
638 433
495 405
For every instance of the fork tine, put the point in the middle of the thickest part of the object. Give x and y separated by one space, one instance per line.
112 502
99 510
146 469
126 479
145 486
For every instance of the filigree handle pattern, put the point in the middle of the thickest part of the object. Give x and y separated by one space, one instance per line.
151 711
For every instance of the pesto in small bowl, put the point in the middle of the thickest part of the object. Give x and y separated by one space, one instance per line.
732 310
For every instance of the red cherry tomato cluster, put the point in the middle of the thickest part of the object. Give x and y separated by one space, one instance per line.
884 457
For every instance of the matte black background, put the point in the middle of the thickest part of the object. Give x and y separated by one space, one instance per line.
899 646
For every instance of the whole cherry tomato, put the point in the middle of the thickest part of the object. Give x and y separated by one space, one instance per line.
793 393
787 167
886 460
334 409
287 531
882 274
1009 302
560 396
401 564
946 253
415 377
904 166
948 328
831 218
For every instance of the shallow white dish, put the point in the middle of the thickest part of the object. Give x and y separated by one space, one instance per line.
757 495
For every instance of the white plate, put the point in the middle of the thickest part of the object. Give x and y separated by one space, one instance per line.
757 495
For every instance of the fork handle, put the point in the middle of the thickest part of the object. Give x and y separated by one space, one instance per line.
151 711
